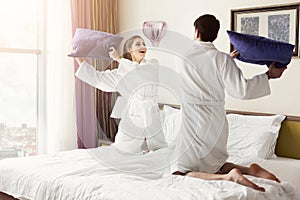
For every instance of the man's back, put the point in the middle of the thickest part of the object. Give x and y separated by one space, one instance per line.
200 70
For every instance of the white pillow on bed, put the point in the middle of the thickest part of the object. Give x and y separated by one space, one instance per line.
253 136
249 136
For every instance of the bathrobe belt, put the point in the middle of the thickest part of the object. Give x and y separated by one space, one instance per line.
203 102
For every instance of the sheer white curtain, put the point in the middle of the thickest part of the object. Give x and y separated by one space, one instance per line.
61 123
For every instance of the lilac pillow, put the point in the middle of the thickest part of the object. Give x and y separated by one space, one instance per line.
260 50
93 44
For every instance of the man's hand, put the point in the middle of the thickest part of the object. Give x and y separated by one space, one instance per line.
275 72
234 54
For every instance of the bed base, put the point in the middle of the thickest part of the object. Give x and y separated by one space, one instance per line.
4 196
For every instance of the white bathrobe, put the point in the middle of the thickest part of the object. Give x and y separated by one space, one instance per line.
140 126
202 141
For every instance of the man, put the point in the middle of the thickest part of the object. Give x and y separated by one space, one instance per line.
201 149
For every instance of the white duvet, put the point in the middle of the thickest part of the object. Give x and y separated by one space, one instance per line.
286 169
81 174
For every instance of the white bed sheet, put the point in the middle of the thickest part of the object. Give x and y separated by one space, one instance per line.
286 169
77 174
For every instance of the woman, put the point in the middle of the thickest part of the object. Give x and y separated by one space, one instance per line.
139 129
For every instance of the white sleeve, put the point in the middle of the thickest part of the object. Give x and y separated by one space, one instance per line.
239 87
103 80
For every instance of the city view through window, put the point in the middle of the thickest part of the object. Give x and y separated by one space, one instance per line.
17 141
18 105
18 78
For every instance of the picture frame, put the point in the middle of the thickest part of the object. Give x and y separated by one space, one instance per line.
279 22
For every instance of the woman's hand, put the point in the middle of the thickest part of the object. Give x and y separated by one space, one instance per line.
113 54
234 54
79 60
275 72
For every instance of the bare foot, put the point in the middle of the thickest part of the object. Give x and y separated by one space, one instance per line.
258 171
235 175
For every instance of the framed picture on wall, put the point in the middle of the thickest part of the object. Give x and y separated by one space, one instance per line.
280 22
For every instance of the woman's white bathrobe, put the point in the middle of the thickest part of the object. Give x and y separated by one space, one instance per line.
137 107
202 141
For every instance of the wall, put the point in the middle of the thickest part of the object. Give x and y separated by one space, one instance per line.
180 15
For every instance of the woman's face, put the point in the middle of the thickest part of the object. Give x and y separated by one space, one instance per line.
138 50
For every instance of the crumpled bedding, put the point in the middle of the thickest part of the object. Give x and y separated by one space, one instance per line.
107 173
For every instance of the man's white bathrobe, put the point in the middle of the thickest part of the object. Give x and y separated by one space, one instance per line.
207 72
137 107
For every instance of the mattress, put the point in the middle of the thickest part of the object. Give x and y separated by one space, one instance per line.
84 174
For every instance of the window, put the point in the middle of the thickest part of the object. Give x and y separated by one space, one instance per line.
19 67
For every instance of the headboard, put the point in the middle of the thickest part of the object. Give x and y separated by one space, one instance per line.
288 141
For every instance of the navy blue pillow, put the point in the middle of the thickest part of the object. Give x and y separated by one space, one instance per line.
260 50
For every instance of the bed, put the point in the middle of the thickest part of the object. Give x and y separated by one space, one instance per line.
84 174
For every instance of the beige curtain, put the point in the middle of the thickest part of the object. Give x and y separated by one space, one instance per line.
104 14
93 107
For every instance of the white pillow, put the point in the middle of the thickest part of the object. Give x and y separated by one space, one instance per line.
253 136
171 124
